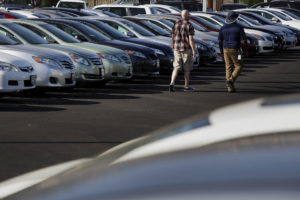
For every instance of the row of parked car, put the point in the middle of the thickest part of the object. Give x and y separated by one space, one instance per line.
58 47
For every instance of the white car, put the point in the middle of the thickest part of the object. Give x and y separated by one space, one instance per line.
74 4
265 40
53 69
253 118
15 74
275 17
130 9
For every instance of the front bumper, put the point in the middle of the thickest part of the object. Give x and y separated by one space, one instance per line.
144 67
92 73
49 76
265 46
116 70
290 41
16 81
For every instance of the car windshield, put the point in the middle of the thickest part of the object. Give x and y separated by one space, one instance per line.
206 23
108 30
198 27
251 21
219 19
259 18
295 12
142 31
90 32
7 41
155 28
28 35
279 15
60 34
74 5
168 23
291 14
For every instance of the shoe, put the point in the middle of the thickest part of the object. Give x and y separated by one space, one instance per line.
188 89
171 88
230 87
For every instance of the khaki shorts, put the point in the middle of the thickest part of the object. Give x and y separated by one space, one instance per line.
183 59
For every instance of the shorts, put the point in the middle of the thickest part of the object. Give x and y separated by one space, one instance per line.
183 60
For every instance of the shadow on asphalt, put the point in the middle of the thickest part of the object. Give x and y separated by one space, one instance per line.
26 108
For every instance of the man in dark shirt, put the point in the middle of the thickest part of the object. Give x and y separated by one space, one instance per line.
231 36
184 50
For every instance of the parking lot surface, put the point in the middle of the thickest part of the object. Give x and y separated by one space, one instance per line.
38 130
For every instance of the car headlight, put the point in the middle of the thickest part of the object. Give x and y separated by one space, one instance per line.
259 37
8 67
135 53
109 57
47 61
79 59
158 51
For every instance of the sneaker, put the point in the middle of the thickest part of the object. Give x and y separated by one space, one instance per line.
171 88
230 86
188 89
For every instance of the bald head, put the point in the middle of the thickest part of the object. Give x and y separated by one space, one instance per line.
185 14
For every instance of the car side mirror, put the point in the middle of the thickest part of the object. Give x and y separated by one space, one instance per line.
50 39
274 19
129 34
81 38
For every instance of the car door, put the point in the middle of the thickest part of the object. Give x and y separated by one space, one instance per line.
136 11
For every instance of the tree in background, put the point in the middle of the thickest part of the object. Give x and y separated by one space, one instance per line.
48 3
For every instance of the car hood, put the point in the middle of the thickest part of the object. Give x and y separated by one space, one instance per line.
68 49
24 181
35 51
150 44
98 48
16 61
128 46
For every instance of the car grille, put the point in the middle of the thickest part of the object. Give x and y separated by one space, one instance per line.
126 59
66 64
28 69
96 61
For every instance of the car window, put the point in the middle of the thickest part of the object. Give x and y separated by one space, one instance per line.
8 34
37 31
163 26
7 41
137 28
109 30
59 33
249 20
206 23
265 15
137 11
28 35
290 14
211 20
90 32
156 29
162 10
118 11
279 15
118 27
103 8
73 5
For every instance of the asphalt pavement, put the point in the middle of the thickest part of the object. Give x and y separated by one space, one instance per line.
39 130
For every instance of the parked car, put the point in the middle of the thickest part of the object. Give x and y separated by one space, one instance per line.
16 74
117 63
264 21
10 15
192 159
285 3
74 4
131 29
181 5
163 51
209 52
144 60
88 65
276 17
53 69
74 12
126 9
